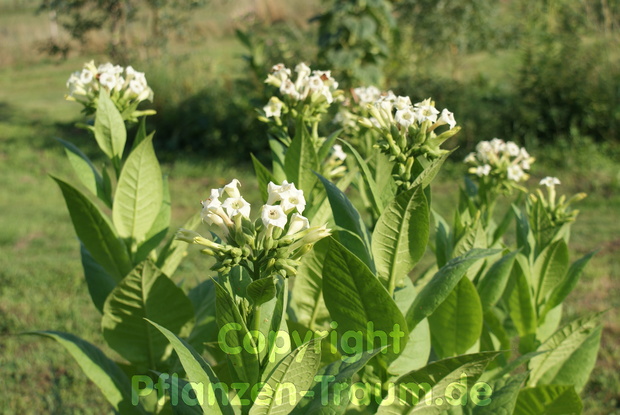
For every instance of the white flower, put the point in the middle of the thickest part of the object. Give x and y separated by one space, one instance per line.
525 164
405 117
549 181
210 205
136 86
338 153
237 205
367 95
292 199
498 145
231 189
512 149
483 170
425 111
470 158
108 80
303 71
297 224
402 102
288 88
315 83
86 76
273 215
273 108
274 191
515 173
447 117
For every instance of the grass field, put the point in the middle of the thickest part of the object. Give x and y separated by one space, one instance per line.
41 285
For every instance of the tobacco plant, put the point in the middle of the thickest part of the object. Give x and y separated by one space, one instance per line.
314 306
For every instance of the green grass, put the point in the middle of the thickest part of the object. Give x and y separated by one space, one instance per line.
41 283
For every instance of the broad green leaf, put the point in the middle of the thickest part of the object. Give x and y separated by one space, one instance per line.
204 332
475 237
159 229
140 134
492 285
383 177
327 145
86 172
520 301
495 337
504 394
243 358
349 219
550 269
543 229
109 128
430 170
204 381
561 291
577 369
400 236
425 391
301 160
145 293
139 193
263 176
418 349
443 240
550 324
456 324
96 232
375 198
328 396
525 240
441 285
358 302
100 283
572 354
103 372
174 251
548 400
506 370
277 155
295 373
261 291
307 297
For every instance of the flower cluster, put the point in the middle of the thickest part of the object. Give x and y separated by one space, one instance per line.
547 214
315 85
126 87
408 131
271 244
499 162
305 97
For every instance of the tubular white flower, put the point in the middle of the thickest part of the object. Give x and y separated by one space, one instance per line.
405 117
446 117
515 173
297 224
303 71
288 88
231 189
402 102
292 199
338 153
550 182
273 108
512 149
483 170
470 158
498 145
274 191
108 80
237 206
273 216
425 111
